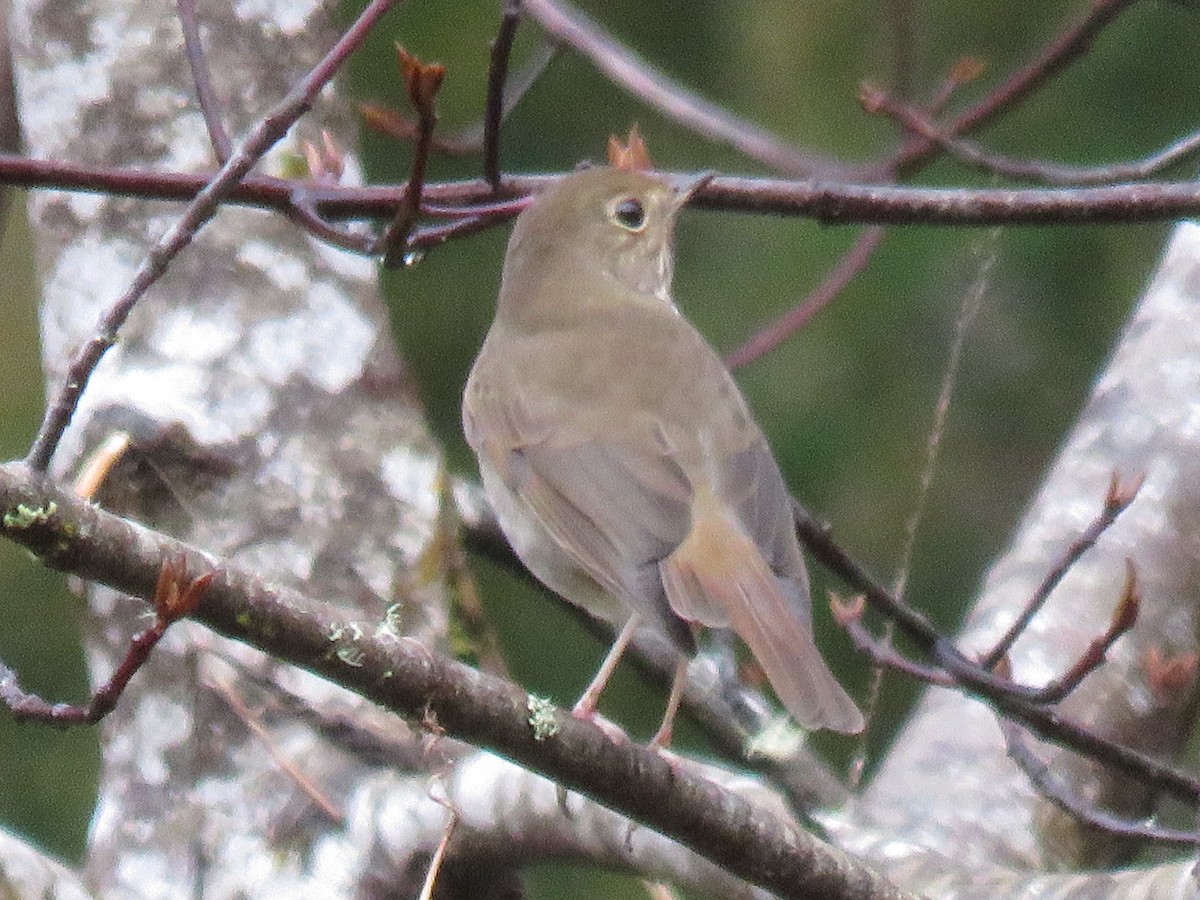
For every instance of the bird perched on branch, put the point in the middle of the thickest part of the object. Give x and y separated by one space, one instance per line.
622 461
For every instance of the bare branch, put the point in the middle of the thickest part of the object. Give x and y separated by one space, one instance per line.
1040 171
497 76
269 130
1068 47
1116 501
1061 795
422 81
408 678
202 78
767 339
627 70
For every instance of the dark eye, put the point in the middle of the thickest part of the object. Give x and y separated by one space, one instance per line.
629 214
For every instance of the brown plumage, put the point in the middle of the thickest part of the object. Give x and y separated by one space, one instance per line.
621 459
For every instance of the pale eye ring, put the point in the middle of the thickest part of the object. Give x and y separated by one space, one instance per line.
629 213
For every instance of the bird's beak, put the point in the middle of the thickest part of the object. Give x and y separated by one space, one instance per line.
687 186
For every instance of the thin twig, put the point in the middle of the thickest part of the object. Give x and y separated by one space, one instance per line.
629 71
210 108
1070 45
270 129
1061 795
304 213
429 236
1040 171
1009 699
881 652
175 596
469 139
252 722
439 854
1123 619
767 339
423 81
497 76
1116 500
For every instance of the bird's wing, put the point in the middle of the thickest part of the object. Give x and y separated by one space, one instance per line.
615 511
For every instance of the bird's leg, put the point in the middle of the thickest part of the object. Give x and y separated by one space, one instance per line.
662 737
585 707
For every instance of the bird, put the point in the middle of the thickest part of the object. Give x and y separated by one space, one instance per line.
621 460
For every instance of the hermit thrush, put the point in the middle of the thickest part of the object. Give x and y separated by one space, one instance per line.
622 461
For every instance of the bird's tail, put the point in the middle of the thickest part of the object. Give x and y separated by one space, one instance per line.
718 577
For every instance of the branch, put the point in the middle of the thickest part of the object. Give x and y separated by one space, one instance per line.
404 676
202 79
1135 421
767 339
497 76
270 129
627 70
831 203
1068 47
1040 171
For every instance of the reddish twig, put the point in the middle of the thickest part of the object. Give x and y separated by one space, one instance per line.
252 721
304 213
430 236
396 125
1116 500
848 614
1043 172
326 165
1001 694
470 139
627 70
174 597
422 82
767 339
269 130
202 79
1070 45
1123 619
824 202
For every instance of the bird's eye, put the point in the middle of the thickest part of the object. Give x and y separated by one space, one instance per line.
629 213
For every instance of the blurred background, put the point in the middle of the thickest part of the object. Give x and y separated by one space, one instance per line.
847 403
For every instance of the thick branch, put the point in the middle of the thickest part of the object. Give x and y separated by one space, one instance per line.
406 677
